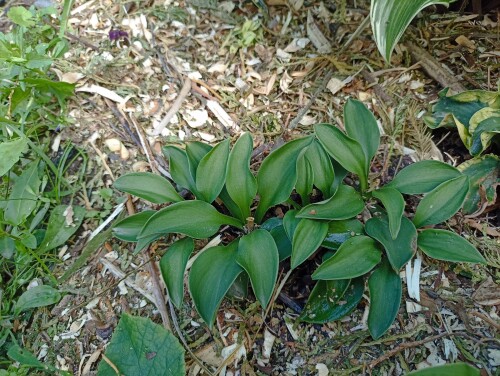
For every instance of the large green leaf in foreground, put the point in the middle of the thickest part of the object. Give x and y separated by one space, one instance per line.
456 369
150 187
141 347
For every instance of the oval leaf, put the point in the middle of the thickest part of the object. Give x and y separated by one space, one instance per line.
179 168
448 246
394 204
355 257
241 185
172 265
128 229
442 203
38 296
212 274
346 203
148 186
399 250
322 167
196 219
423 177
258 255
211 172
278 174
340 231
307 238
457 369
385 298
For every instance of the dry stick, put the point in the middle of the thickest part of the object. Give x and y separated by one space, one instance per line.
486 318
186 88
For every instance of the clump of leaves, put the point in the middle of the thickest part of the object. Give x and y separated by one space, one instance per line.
245 35
225 192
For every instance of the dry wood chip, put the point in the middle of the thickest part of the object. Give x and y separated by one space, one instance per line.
488 293
316 36
463 41
106 93
222 115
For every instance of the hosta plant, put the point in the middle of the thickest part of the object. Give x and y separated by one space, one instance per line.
306 177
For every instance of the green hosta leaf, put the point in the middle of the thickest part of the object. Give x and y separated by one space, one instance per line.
211 172
62 224
390 18
340 231
22 200
344 150
305 178
38 296
179 168
282 242
290 222
21 16
448 246
196 219
484 176
442 203
148 186
11 151
422 177
361 125
212 274
484 125
394 204
278 174
399 250
172 265
346 203
457 369
307 238
240 183
195 151
332 300
322 167
385 298
141 347
128 229
258 255
355 257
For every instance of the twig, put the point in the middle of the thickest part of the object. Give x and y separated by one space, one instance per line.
356 33
486 318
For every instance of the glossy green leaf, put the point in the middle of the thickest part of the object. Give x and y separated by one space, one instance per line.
195 151
484 176
448 246
340 231
322 167
278 174
399 250
173 265
332 300
385 298
211 172
340 174
305 178
11 151
128 229
394 205
390 18
241 184
290 222
22 200
361 125
456 369
38 296
442 203
212 274
258 255
141 347
307 238
148 186
230 205
345 150
144 242
282 242
346 203
355 257
179 168
423 177
59 230
484 125
196 219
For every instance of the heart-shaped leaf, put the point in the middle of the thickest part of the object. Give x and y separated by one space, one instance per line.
423 177
212 274
148 186
442 202
307 238
172 265
340 231
278 174
346 203
128 229
258 255
385 298
305 178
179 168
322 167
399 250
355 257
241 185
195 218
448 246
394 204
211 172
